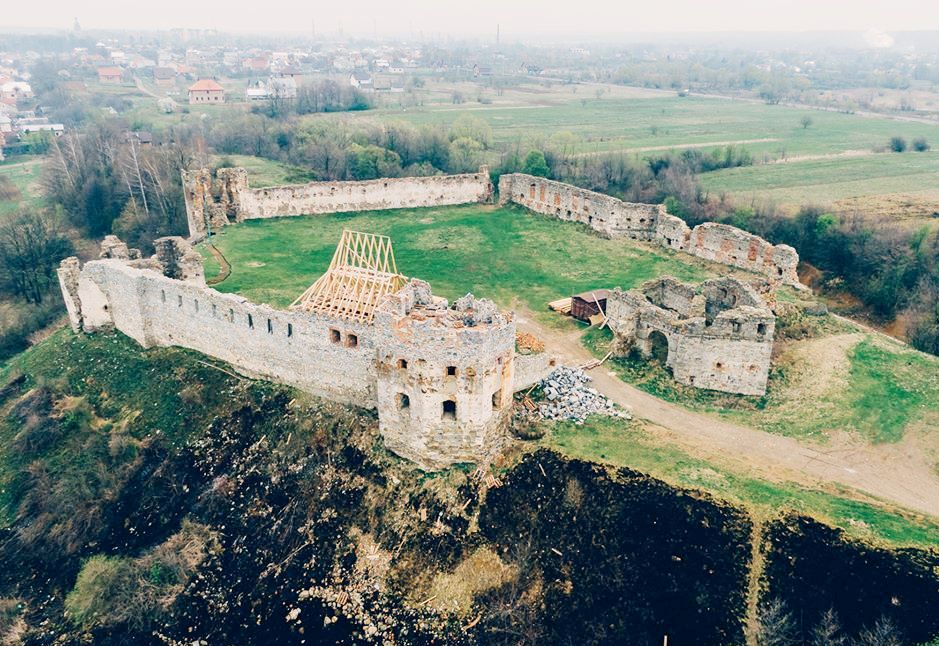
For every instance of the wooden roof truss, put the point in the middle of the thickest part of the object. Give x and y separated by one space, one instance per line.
361 274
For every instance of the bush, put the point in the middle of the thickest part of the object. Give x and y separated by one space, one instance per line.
105 592
112 590
535 164
920 145
897 144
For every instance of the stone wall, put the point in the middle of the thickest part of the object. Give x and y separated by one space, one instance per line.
602 213
718 336
289 347
227 197
618 219
441 377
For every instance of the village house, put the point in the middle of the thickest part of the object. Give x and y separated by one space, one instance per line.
206 91
110 75
16 90
362 80
164 76
257 90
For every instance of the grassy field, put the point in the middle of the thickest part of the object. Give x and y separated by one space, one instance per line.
912 178
621 444
841 381
596 119
663 122
19 185
500 253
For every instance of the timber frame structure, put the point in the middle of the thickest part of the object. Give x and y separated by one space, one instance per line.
361 274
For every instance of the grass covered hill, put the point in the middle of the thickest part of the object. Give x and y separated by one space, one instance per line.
152 496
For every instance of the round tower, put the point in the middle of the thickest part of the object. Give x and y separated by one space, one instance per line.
445 377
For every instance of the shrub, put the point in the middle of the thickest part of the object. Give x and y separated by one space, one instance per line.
920 145
105 592
535 164
897 144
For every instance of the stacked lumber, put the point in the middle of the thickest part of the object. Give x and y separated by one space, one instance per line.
562 306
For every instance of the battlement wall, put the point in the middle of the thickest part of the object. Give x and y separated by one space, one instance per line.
307 351
228 198
615 218
602 213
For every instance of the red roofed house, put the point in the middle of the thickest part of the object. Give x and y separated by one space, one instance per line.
110 75
206 91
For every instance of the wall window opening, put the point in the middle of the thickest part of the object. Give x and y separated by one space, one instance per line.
352 340
179 300
334 335
761 328
403 364
497 400
449 409
451 371
250 321
163 295
289 330
270 327
404 402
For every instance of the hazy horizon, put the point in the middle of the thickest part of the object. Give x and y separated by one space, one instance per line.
520 19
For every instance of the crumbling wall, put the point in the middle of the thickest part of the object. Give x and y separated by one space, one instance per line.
602 213
68 272
719 336
731 246
615 218
290 347
442 378
227 198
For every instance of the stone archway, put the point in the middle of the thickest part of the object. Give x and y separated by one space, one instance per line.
658 347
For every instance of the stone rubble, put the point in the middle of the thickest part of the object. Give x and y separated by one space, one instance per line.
568 396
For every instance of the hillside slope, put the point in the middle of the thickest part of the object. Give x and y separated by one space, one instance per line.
156 497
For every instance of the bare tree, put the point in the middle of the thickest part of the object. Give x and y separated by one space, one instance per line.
827 632
775 625
30 246
882 633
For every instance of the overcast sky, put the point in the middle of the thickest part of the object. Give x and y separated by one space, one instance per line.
517 18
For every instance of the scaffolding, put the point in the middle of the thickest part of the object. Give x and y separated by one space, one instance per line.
361 274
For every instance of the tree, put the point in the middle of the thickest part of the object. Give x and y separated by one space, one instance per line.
535 164
920 145
882 633
372 162
827 632
775 626
473 128
806 122
464 154
897 144
31 246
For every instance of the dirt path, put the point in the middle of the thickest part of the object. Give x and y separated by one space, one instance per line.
885 472
224 268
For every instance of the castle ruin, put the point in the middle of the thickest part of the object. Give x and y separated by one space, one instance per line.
718 335
442 377
225 197
615 218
